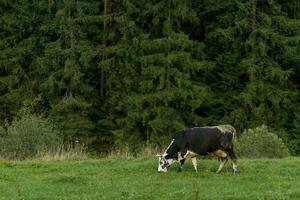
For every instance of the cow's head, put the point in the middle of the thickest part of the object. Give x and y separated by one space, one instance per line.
164 163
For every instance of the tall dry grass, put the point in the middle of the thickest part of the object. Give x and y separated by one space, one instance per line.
125 152
66 152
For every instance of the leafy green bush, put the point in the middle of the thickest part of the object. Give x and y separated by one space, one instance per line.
27 137
261 143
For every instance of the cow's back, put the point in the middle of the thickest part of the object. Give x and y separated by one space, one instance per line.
200 140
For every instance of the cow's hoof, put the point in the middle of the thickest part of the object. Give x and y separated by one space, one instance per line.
235 172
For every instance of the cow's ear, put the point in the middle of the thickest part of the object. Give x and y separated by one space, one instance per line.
158 155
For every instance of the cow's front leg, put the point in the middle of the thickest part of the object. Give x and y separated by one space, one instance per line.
181 159
181 163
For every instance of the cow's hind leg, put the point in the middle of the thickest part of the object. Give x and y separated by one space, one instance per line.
223 162
234 161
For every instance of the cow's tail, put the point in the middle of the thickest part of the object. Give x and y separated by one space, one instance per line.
233 134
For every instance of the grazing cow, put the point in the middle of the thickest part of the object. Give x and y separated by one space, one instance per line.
212 141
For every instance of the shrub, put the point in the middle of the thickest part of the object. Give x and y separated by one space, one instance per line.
261 143
27 137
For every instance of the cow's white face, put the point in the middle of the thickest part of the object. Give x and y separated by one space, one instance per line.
164 164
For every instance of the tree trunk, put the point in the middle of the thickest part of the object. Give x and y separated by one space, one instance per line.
49 6
103 77
71 29
254 23
168 45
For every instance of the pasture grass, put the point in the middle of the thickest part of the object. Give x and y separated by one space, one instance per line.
138 179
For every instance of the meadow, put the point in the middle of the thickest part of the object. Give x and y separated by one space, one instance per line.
138 179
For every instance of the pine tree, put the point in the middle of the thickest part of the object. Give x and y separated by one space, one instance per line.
252 82
19 45
268 95
165 97
61 68
111 72
109 66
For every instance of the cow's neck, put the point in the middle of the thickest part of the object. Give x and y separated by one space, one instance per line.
171 152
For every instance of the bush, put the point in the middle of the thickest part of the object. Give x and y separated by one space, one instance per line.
261 143
27 137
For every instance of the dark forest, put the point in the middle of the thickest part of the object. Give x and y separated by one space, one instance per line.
113 72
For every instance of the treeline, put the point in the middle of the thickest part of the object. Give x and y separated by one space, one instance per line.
114 72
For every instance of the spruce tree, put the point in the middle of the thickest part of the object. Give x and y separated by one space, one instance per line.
268 95
111 72
19 44
252 83
61 69
166 97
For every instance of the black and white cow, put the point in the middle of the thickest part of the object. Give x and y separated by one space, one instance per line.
212 141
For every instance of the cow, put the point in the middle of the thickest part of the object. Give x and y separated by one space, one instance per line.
208 141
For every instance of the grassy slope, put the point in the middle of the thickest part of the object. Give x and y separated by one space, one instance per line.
138 179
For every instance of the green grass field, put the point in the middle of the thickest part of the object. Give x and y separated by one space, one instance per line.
138 179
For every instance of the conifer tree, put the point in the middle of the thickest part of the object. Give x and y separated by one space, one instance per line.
18 47
268 94
60 68
248 44
166 97
111 72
